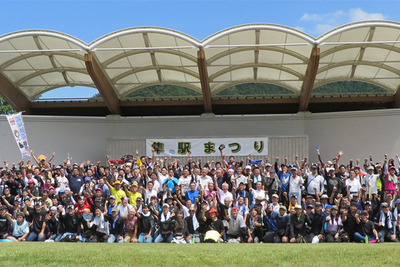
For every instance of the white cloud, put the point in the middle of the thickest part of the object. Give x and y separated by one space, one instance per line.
317 24
358 15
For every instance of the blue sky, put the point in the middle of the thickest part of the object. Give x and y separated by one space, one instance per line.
89 20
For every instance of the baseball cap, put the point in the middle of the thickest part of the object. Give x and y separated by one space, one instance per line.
88 179
282 208
324 196
398 201
293 169
314 166
98 189
384 205
38 203
165 205
70 207
97 199
328 207
235 208
334 207
248 167
268 165
53 208
297 207
364 212
134 184
318 204
112 197
275 195
30 181
114 209
117 182
3 207
371 168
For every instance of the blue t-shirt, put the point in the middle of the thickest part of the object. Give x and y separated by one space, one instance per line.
20 230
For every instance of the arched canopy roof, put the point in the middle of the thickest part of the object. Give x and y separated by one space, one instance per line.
117 64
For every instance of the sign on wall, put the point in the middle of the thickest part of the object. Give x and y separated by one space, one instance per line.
207 146
18 129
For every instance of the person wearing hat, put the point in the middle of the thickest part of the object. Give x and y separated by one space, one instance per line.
275 203
317 218
116 226
5 225
314 181
334 184
165 225
32 189
111 203
385 224
298 226
366 229
115 190
350 219
371 182
255 231
283 176
390 180
293 201
37 216
333 226
71 225
295 184
105 190
353 185
75 180
213 224
272 184
282 225
133 193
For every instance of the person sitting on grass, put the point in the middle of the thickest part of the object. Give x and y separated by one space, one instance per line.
166 224
37 216
99 226
145 227
299 222
5 225
131 227
366 229
333 226
116 227
385 224
20 228
237 227
254 227
71 223
180 229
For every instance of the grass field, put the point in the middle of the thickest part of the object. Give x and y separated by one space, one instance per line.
86 254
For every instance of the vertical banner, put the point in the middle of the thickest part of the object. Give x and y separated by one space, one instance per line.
18 129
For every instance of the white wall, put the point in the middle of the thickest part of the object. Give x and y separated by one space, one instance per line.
356 133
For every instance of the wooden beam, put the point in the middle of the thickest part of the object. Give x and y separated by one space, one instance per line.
205 85
13 95
67 104
165 103
251 101
309 79
352 99
103 85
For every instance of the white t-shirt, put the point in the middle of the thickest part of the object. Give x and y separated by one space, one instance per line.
373 179
355 186
223 195
185 182
315 181
295 183
204 181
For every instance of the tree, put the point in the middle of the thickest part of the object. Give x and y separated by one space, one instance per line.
5 108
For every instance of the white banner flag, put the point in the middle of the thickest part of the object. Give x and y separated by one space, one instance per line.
18 129
208 146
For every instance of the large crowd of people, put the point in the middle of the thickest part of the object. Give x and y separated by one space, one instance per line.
156 199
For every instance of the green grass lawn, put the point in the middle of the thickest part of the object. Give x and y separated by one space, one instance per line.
86 254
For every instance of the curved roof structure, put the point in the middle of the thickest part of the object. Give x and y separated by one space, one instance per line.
126 61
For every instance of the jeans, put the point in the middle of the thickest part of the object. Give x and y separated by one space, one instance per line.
61 236
112 238
160 238
33 236
142 238
358 237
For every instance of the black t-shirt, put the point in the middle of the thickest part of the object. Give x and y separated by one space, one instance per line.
367 228
37 219
215 225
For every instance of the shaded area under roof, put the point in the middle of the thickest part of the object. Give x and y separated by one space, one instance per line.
124 64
